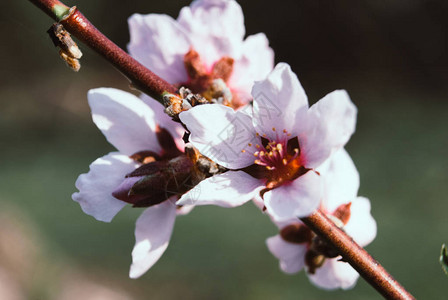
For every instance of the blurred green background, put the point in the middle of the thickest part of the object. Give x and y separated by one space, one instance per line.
392 58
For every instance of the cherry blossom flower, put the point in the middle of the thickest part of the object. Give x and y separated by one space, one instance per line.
273 150
203 49
297 247
145 137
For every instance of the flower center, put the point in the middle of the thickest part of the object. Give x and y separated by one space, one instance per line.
280 158
210 83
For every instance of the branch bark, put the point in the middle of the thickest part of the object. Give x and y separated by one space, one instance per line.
357 257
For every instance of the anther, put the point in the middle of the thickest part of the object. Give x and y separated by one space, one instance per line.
273 128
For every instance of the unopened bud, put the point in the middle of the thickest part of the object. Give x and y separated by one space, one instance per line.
296 233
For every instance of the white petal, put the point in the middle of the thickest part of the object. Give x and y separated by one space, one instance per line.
334 274
330 123
184 210
279 102
258 202
256 61
216 28
341 180
152 235
163 120
291 256
221 134
159 43
361 225
230 189
294 200
126 121
96 187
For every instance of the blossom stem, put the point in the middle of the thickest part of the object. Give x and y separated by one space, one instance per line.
79 26
356 256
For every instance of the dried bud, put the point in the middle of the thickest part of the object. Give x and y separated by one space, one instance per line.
218 92
175 104
69 50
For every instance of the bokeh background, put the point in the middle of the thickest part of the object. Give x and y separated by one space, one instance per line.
392 58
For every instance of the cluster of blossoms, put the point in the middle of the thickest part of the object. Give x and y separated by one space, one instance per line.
239 130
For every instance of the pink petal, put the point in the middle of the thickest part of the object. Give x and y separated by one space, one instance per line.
341 180
296 199
334 274
258 202
216 28
96 187
291 256
229 189
124 119
184 210
152 234
330 123
361 225
159 43
163 120
279 102
256 61
221 134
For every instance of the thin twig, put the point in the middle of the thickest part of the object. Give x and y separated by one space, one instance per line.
79 26
356 256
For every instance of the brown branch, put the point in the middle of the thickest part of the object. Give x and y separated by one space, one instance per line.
356 256
48 6
79 26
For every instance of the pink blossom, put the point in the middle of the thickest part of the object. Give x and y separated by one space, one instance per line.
206 42
296 246
274 148
132 126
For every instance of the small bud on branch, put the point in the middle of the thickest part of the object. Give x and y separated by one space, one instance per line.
358 258
80 27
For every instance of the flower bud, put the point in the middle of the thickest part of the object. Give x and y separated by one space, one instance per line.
155 182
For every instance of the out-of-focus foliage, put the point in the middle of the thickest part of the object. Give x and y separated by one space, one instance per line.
444 259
